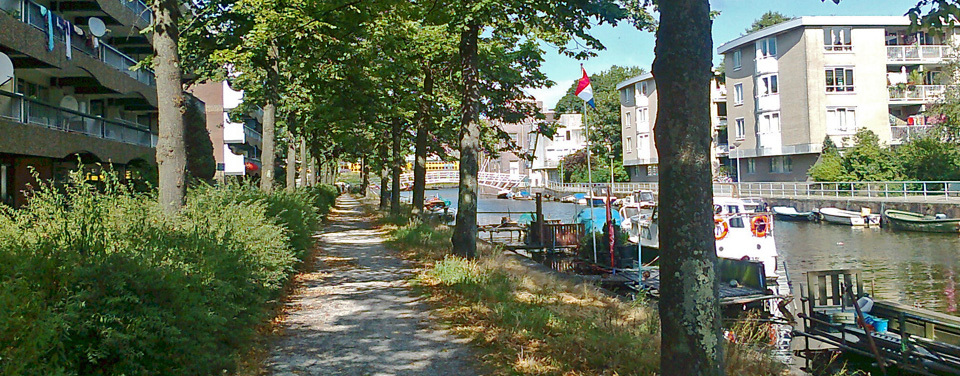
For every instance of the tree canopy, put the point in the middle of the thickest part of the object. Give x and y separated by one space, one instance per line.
766 20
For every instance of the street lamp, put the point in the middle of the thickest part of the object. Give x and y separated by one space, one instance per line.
736 146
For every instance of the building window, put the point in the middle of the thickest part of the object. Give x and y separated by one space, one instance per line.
568 135
741 129
841 120
768 85
630 144
836 39
652 170
839 80
643 88
642 115
769 122
767 47
737 60
626 116
738 94
751 166
781 165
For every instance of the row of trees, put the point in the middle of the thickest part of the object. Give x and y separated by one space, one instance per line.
353 80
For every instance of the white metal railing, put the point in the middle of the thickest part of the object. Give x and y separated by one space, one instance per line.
892 190
917 53
916 93
490 179
903 133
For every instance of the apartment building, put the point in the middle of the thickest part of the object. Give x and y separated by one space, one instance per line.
72 95
548 153
236 137
798 82
522 134
638 105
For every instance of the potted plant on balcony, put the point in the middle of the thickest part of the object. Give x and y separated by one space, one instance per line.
913 79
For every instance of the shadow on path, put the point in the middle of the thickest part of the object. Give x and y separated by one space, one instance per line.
356 315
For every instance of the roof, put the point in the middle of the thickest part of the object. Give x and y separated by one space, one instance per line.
633 80
814 21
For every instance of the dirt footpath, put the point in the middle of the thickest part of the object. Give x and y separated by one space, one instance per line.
356 315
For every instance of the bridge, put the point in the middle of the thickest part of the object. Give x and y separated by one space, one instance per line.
487 179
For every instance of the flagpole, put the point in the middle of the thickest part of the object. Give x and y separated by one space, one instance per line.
593 221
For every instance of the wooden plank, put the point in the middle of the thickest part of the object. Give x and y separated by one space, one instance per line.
822 288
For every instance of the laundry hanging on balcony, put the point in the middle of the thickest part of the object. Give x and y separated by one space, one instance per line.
49 18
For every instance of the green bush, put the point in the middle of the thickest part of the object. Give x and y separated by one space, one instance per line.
101 282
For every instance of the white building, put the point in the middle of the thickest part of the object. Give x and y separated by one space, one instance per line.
548 153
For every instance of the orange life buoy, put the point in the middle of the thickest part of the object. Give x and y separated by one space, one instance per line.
721 228
760 225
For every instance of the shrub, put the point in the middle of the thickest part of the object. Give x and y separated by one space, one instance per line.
104 283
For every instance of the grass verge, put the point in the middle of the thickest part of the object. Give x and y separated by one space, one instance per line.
531 321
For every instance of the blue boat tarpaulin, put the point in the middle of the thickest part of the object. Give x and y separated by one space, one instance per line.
599 216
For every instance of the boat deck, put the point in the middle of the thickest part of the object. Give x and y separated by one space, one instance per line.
729 295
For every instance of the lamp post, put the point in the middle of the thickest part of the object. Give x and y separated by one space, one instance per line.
736 146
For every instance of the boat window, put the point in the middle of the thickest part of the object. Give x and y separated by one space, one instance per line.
733 209
646 196
630 212
736 222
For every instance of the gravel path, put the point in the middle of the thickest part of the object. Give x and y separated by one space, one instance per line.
356 316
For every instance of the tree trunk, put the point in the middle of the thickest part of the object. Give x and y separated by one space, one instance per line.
689 308
267 154
171 146
423 128
384 177
465 233
364 176
291 163
397 162
303 161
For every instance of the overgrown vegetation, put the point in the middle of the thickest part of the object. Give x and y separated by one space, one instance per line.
531 321
921 158
99 281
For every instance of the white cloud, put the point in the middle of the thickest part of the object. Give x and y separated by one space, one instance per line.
550 96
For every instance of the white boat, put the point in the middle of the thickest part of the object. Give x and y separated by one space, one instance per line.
739 234
849 217
790 213
632 214
644 198
597 200
505 194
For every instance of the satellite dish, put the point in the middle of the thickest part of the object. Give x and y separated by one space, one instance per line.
97 27
70 103
6 68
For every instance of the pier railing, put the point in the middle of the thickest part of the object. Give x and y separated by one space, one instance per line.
933 191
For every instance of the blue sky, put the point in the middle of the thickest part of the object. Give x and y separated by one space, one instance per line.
627 46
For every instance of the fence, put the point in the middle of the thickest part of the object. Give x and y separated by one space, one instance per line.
21 109
925 190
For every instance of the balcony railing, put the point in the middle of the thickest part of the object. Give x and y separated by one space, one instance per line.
252 134
917 53
140 9
903 133
105 53
916 93
24 110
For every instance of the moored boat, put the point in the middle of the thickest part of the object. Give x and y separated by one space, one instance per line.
849 217
789 213
505 194
909 221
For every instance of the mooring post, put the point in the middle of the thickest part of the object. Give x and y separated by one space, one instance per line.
539 222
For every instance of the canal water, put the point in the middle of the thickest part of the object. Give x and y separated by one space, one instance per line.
910 268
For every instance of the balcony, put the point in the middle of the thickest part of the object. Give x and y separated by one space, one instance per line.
916 94
903 133
917 54
24 110
104 52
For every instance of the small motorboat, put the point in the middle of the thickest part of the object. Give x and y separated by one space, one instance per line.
523 195
505 194
789 213
849 217
573 198
909 221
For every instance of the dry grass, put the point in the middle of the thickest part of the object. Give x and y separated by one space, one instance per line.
530 321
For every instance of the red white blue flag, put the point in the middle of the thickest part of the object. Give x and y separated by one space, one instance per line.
584 90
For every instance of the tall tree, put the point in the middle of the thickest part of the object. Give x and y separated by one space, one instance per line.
766 20
171 147
689 304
